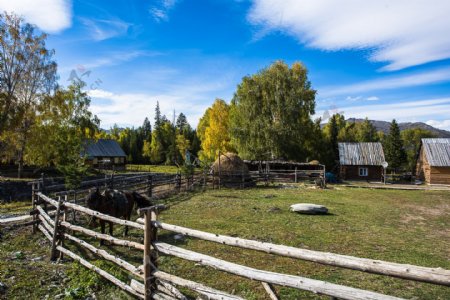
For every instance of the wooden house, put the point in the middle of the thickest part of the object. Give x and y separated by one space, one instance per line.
361 161
433 163
105 153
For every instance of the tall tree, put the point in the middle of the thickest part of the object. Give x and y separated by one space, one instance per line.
393 147
27 75
271 113
411 141
216 134
62 129
367 132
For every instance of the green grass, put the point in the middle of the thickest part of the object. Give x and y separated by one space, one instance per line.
153 168
399 226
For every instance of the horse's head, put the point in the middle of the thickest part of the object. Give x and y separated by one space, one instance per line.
94 199
141 200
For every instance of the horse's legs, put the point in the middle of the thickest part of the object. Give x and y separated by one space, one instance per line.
102 225
110 228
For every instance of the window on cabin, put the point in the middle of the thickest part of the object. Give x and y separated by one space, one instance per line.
363 172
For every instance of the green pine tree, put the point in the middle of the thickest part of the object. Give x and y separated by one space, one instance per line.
393 147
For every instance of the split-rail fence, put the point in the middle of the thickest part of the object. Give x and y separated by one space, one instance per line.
152 283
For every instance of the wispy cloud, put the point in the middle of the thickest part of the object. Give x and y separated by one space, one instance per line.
51 16
103 29
442 124
130 109
401 33
389 83
160 12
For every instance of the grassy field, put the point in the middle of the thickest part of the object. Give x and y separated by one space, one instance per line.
399 226
153 168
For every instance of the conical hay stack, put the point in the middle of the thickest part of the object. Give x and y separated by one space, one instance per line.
230 164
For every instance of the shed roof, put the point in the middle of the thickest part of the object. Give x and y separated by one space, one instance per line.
361 154
103 147
437 151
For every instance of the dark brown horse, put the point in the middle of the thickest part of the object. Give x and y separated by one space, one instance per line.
115 203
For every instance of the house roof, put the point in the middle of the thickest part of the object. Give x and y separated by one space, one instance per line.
103 147
437 151
361 154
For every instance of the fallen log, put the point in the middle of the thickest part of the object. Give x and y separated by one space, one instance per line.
99 271
102 236
162 286
312 285
405 271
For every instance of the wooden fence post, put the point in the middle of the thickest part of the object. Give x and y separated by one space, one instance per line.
149 185
61 232
33 202
296 175
150 236
220 173
55 231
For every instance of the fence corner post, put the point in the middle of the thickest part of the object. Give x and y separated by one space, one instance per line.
33 203
149 186
150 236
56 231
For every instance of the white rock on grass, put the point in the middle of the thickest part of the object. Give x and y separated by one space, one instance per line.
308 208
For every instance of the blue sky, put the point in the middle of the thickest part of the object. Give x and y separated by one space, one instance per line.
381 59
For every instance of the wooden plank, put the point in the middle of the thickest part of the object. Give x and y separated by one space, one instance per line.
148 239
99 271
405 271
312 285
102 236
270 290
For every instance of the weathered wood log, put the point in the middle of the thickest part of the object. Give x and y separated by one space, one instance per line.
45 224
431 275
16 225
161 296
103 216
15 219
312 285
103 236
270 290
171 289
55 231
46 216
45 232
117 260
210 293
99 271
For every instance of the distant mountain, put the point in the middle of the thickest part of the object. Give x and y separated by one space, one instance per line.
384 126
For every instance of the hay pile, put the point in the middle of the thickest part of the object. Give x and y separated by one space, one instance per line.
232 170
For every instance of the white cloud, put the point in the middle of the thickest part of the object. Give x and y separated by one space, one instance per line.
51 16
401 111
373 98
442 124
402 33
161 11
130 109
389 83
103 29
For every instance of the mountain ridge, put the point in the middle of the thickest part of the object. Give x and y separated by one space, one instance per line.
384 126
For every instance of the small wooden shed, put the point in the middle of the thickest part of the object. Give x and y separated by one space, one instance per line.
105 153
361 161
433 163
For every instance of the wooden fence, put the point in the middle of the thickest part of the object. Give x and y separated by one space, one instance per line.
151 283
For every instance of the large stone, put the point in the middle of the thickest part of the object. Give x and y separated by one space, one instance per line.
309 209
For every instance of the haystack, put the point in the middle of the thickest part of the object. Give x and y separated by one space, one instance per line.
231 169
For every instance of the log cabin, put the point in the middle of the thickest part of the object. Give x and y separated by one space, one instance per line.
105 153
433 163
361 161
